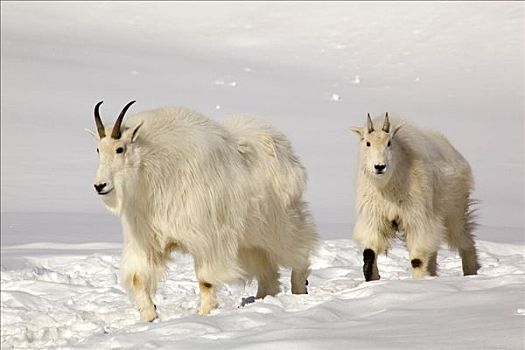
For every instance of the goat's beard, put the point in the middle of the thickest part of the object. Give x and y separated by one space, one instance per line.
113 202
379 180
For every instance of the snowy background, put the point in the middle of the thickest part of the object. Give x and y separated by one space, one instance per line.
312 70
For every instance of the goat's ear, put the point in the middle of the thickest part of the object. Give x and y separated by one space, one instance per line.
92 133
358 131
135 132
396 128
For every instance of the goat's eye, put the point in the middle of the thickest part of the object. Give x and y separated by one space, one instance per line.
120 150
367 144
97 150
388 144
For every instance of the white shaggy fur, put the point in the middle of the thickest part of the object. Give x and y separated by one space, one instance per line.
417 183
229 194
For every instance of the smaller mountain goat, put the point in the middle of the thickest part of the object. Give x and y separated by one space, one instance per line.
229 194
417 183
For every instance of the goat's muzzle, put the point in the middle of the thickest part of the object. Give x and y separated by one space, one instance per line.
380 169
102 188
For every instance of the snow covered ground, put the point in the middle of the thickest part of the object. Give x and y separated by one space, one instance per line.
64 295
311 69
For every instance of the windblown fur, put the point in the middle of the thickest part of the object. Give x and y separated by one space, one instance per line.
229 194
413 182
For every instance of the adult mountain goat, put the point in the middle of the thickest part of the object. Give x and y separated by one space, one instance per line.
229 194
417 183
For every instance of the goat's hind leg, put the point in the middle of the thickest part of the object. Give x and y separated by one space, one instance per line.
258 264
432 264
469 259
268 280
459 236
299 279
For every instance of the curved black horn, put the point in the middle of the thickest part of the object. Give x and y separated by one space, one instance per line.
98 120
369 124
115 134
386 125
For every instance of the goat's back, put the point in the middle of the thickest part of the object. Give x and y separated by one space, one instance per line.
269 154
425 145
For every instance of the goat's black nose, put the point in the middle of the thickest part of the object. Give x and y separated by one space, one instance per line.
100 187
380 167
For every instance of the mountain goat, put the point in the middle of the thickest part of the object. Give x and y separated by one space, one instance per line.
417 183
229 194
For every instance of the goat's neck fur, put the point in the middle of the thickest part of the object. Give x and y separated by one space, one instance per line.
135 219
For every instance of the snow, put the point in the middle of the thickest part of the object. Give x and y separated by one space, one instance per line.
312 70
335 97
66 295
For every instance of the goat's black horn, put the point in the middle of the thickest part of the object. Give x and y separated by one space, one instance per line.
369 124
386 125
98 120
115 134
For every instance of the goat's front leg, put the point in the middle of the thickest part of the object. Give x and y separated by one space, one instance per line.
139 277
208 299
373 241
370 270
142 295
423 246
